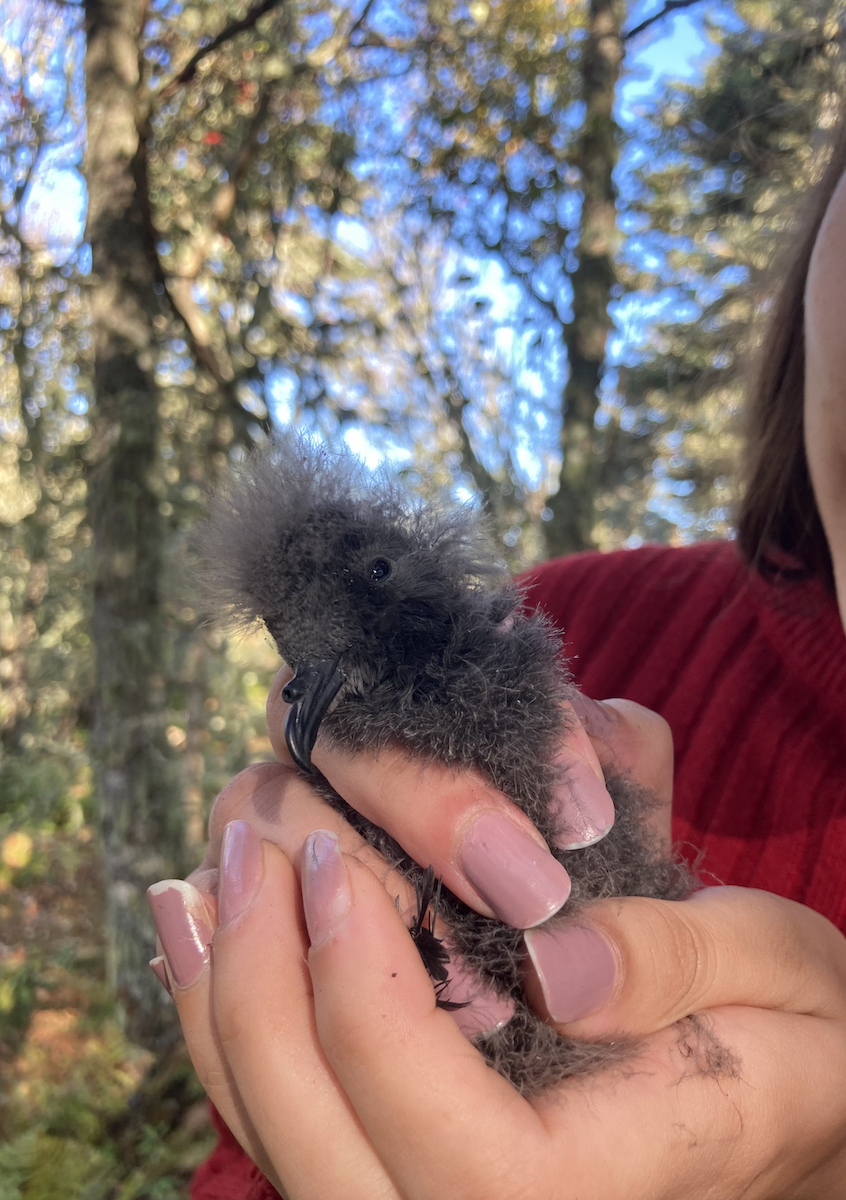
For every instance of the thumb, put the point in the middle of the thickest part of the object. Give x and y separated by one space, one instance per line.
634 966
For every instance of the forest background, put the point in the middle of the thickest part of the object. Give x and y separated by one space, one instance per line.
478 241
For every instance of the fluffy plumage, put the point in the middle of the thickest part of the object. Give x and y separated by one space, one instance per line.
432 651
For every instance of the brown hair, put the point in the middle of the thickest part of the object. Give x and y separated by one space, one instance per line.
778 511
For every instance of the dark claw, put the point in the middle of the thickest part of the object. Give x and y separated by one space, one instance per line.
313 688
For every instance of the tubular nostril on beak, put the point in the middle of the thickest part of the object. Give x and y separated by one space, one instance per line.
294 690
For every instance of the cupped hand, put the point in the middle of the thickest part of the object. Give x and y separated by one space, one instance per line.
483 846
454 819
314 1028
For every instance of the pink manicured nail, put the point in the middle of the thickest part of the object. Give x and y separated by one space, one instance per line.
584 809
514 874
592 715
576 967
326 886
157 966
486 1010
183 928
241 870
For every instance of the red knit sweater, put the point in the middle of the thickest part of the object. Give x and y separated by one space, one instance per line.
752 679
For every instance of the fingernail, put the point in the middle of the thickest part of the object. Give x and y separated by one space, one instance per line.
576 968
485 1011
514 874
584 809
157 966
241 870
326 886
182 926
593 715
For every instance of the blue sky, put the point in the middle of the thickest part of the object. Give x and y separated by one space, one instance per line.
675 47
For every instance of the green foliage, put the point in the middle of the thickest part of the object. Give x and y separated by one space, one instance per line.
81 1111
38 789
724 168
322 208
39 1167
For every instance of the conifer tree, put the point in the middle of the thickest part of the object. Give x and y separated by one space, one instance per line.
725 167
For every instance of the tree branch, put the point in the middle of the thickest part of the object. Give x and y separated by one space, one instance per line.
192 256
179 286
356 25
230 31
669 6
8 230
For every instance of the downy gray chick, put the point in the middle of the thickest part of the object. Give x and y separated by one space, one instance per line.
403 629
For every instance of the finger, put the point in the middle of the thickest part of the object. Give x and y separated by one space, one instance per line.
636 966
263 1013
283 808
415 1087
185 922
280 804
585 810
413 1080
635 742
485 849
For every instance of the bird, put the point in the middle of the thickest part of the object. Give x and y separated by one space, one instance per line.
402 627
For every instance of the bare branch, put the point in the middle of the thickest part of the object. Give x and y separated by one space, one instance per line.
669 6
377 41
193 255
230 31
8 230
456 403
179 286
365 13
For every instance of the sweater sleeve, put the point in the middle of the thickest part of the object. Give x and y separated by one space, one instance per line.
750 675
228 1173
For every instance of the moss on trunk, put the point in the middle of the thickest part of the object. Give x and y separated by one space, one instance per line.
570 527
140 813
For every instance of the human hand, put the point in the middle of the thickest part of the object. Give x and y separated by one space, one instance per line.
616 736
282 805
521 883
279 1091
316 1014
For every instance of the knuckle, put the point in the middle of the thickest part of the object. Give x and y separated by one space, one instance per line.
684 961
660 733
233 1021
652 732
642 743
237 799
214 1077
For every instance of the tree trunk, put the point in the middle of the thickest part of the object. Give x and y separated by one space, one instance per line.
140 813
570 527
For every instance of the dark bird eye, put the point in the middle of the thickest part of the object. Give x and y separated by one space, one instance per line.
379 570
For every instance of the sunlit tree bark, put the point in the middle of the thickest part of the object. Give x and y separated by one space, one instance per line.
596 155
140 813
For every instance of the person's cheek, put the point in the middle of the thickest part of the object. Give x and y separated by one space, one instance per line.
825 446
825 366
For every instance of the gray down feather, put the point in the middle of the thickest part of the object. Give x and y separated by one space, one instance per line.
430 664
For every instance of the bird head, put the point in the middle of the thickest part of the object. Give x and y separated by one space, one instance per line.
354 579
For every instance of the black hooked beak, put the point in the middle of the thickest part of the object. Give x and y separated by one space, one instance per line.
313 688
